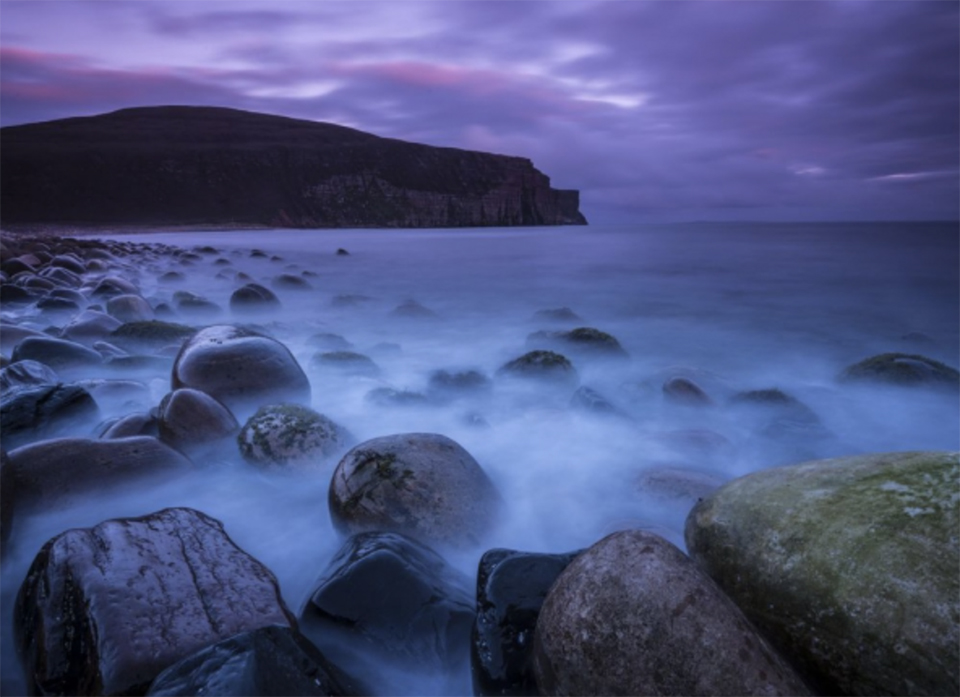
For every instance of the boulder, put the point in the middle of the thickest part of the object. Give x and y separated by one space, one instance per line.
253 297
240 368
112 286
90 326
289 281
26 374
152 334
583 342
190 419
849 565
142 424
511 587
685 392
411 309
104 610
542 366
291 436
327 341
633 615
43 411
56 353
904 369
421 484
346 363
450 385
129 308
590 401
53 472
390 397
674 483
390 599
271 660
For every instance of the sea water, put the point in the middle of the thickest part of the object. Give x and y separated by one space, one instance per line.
733 307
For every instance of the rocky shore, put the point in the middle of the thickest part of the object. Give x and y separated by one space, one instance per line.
825 575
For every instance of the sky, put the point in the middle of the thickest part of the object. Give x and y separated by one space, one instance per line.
655 111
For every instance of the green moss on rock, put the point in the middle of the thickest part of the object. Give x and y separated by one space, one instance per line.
850 565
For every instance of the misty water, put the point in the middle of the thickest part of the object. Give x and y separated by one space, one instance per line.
733 307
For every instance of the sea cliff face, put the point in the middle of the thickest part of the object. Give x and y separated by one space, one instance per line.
204 165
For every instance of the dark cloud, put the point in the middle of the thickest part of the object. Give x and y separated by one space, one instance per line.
683 109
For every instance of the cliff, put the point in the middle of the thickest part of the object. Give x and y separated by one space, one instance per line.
213 166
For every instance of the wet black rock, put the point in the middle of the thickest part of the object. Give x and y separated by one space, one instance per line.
511 587
291 436
584 342
59 354
253 296
541 365
240 368
633 615
341 252
327 341
265 662
421 484
53 472
26 373
389 599
104 610
190 420
346 363
44 411
141 424
195 306
904 369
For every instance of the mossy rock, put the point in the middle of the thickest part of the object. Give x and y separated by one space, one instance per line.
582 340
288 435
906 369
850 565
541 365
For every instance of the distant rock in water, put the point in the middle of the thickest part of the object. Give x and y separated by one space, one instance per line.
179 165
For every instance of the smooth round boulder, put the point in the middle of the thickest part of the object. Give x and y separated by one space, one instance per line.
90 326
685 392
584 342
27 374
287 436
104 610
190 419
422 484
150 335
903 369
239 368
849 565
345 363
253 297
633 615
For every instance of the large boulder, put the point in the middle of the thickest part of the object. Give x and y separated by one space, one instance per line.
345 363
240 368
44 411
150 335
511 588
190 419
421 484
129 308
291 436
253 297
386 598
850 565
905 369
90 326
271 660
633 615
104 610
51 472
26 373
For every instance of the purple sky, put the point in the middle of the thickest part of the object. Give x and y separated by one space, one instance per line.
655 110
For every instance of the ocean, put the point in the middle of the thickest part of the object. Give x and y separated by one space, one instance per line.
730 307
